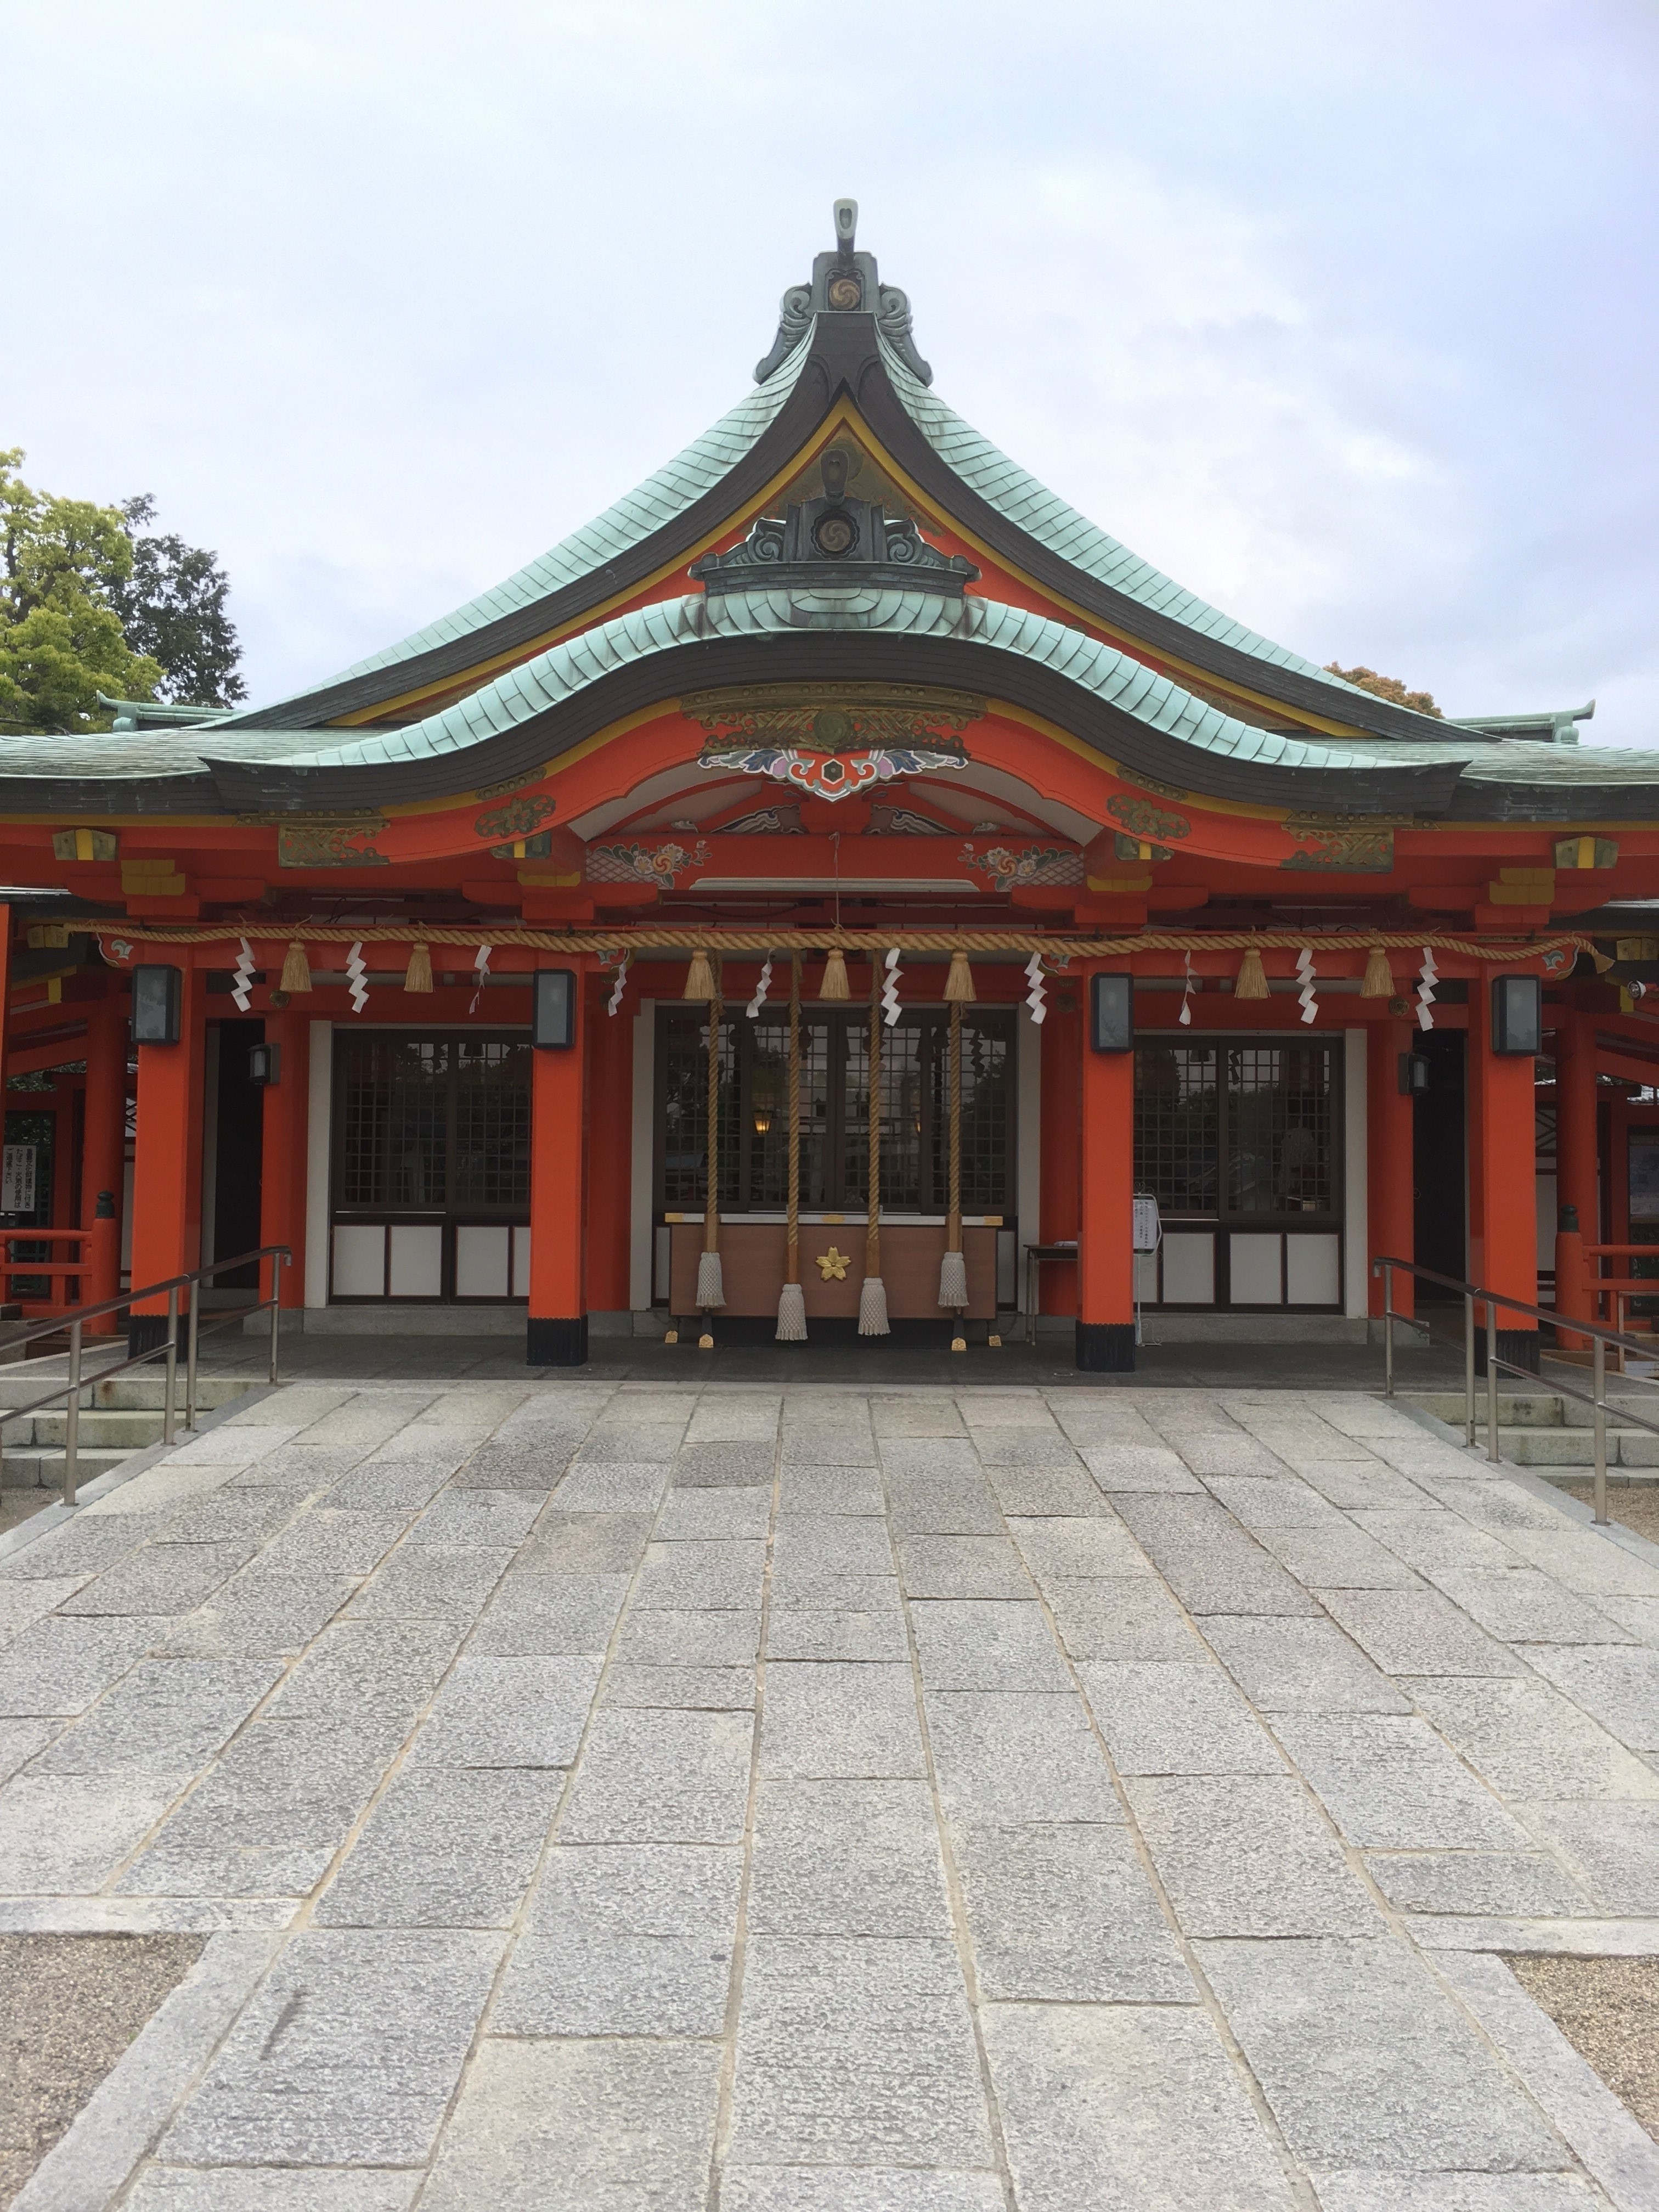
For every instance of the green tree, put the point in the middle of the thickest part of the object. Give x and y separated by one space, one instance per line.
1387 687
172 606
61 639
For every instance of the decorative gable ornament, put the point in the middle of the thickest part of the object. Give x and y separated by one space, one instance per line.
835 541
840 740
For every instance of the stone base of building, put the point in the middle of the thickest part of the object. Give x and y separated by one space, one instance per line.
1516 1347
559 1343
1106 1347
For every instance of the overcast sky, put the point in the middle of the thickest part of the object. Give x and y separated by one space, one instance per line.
1344 314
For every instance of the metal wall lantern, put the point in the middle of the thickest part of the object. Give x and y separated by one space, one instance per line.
264 1064
1414 1074
1111 1014
157 995
553 1017
1517 1016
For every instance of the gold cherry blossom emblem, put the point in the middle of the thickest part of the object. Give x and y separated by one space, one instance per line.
832 1265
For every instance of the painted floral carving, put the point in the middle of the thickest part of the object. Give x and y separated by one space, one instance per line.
660 865
517 819
1005 865
1142 819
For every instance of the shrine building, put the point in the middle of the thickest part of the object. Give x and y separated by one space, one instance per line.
834 878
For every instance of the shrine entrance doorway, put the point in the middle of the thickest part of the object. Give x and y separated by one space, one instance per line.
429 1199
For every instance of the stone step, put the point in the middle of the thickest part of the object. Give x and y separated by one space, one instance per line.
31 1465
131 1393
131 1431
1534 1409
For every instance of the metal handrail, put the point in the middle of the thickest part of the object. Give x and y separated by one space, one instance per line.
280 1256
1601 1338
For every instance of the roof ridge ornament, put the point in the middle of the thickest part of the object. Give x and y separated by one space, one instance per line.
844 282
835 541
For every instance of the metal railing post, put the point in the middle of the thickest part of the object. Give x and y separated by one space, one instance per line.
1599 1385
275 1320
170 1387
1491 1376
190 1356
1388 1328
72 1417
1468 1368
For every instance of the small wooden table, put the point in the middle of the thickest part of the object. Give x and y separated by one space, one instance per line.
1035 1256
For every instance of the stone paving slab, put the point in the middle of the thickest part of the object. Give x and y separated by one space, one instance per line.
659 1795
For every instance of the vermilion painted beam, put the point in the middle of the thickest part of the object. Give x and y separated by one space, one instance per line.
1390 1136
1105 1322
556 1335
283 1130
1502 1169
103 1161
167 1180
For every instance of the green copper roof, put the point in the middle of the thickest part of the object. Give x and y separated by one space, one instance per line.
1045 516
673 488
1128 684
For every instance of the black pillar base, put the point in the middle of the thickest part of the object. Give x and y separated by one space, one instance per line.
1519 1346
556 1343
145 1333
1106 1347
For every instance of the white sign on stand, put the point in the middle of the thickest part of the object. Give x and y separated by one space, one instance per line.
17 1178
1146 1233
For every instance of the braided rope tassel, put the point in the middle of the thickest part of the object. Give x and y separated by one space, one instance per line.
711 1288
791 1300
873 1296
953 1267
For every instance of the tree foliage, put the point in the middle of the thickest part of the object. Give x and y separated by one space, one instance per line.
172 606
90 603
1387 687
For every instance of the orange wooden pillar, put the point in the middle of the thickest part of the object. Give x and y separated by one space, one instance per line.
1063 1078
104 1152
1577 1195
609 1053
167 1175
1503 1182
284 1130
1106 1308
557 1333
1390 1206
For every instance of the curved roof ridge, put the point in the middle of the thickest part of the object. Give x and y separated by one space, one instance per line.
668 492
533 686
1043 514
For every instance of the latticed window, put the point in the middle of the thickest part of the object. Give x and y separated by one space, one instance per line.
835 1110
433 1122
1238 1128
1278 1115
1177 1126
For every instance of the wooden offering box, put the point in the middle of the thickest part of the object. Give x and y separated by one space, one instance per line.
752 1255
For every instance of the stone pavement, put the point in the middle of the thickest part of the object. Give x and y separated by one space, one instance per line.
818 1800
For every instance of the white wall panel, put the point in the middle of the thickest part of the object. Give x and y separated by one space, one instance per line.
1254 1257
1189 1269
358 1261
483 1259
418 1260
1313 1270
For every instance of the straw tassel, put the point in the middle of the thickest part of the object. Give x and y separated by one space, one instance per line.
296 969
1379 976
959 983
418 974
792 1299
872 1294
699 976
1252 977
834 984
